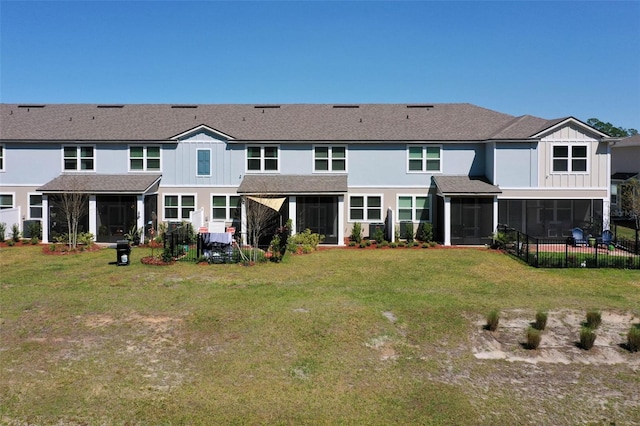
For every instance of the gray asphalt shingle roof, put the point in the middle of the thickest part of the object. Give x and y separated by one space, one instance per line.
293 184
465 185
97 183
287 122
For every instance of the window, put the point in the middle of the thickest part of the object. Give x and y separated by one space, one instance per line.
178 207
204 162
415 208
78 158
225 207
570 158
365 207
424 158
1 158
6 201
262 158
330 158
144 158
35 206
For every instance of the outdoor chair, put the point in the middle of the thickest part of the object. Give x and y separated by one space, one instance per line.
578 237
606 239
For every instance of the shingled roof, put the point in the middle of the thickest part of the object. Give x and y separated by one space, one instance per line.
288 122
465 185
98 183
293 184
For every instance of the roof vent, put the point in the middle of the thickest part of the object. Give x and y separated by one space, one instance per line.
420 106
110 106
30 106
346 106
266 106
184 106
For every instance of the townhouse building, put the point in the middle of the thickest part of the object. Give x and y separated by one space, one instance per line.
461 167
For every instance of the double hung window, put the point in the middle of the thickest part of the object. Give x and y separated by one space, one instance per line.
330 159
35 206
178 207
424 158
365 208
415 208
6 201
262 158
225 207
144 158
78 158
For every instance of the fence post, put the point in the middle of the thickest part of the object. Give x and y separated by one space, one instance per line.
595 248
566 254
537 252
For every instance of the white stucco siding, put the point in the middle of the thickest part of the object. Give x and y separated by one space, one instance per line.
625 159
516 165
597 173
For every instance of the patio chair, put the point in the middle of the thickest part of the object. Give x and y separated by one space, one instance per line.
578 237
606 239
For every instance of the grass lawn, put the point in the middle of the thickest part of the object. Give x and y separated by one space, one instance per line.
341 336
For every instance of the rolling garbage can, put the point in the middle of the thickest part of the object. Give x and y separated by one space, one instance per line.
123 253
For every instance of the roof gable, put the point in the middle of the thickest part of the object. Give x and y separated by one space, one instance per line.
202 129
569 121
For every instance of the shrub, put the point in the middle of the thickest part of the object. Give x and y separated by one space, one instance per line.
594 319
362 244
11 243
425 232
534 336
493 318
85 238
356 232
541 320
633 339
425 245
167 255
384 243
306 241
378 235
393 245
587 338
352 243
408 232
35 230
3 232
368 243
15 232
34 240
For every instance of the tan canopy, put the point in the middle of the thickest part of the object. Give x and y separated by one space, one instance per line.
273 203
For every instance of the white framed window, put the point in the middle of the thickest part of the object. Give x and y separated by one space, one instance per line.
424 158
1 158
6 201
144 158
78 158
178 206
263 158
329 158
35 206
414 208
225 207
203 159
569 158
366 208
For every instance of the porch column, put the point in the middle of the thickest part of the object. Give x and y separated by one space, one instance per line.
447 221
45 218
606 214
93 216
495 213
140 214
243 220
341 220
293 214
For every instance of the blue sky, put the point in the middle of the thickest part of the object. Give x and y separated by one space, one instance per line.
549 59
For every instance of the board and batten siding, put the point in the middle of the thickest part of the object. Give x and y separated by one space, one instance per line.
180 163
597 175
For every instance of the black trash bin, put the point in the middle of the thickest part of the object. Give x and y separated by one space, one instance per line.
123 253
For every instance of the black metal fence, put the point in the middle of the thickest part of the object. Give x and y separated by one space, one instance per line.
563 253
183 244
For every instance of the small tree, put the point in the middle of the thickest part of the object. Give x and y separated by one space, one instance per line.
630 200
73 206
261 217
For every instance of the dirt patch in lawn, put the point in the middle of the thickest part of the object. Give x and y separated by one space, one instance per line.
560 339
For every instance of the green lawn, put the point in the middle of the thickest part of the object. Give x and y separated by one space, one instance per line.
308 341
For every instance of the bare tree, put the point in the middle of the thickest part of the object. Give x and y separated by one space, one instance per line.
73 206
262 213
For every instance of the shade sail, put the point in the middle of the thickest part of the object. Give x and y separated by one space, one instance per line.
273 203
